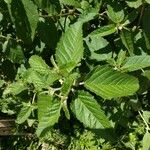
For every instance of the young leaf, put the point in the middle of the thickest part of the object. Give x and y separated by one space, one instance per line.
51 6
88 111
134 3
2 82
115 12
136 62
146 141
96 42
70 47
105 30
108 83
15 88
48 112
70 2
127 40
68 82
40 80
148 1
24 113
38 64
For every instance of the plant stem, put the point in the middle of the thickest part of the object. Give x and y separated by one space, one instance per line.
146 124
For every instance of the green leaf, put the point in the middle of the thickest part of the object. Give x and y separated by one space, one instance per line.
38 64
67 84
88 15
65 109
2 82
130 17
134 3
15 88
105 30
127 40
24 113
146 116
16 55
146 141
36 79
145 25
115 12
32 15
88 111
51 6
146 74
40 81
96 42
108 83
74 3
121 57
48 112
148 1
25 17
70 47
47 32
136 62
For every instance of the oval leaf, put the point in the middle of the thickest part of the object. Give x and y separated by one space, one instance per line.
108 83
146 141
88 111
136 63
70 47
48 112
38 64
24 113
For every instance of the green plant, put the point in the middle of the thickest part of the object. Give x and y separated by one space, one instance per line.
75 73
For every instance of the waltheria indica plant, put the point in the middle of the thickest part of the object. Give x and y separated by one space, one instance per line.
75 74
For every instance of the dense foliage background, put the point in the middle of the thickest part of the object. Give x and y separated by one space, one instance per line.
75 74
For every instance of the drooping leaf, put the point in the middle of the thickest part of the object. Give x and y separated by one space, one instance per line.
24 113
127 40
47 32
146 141
70 48
48 112
98 47
88 111
108 83
32 15
136 62
25 17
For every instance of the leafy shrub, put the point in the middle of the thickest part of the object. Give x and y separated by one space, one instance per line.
74 74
